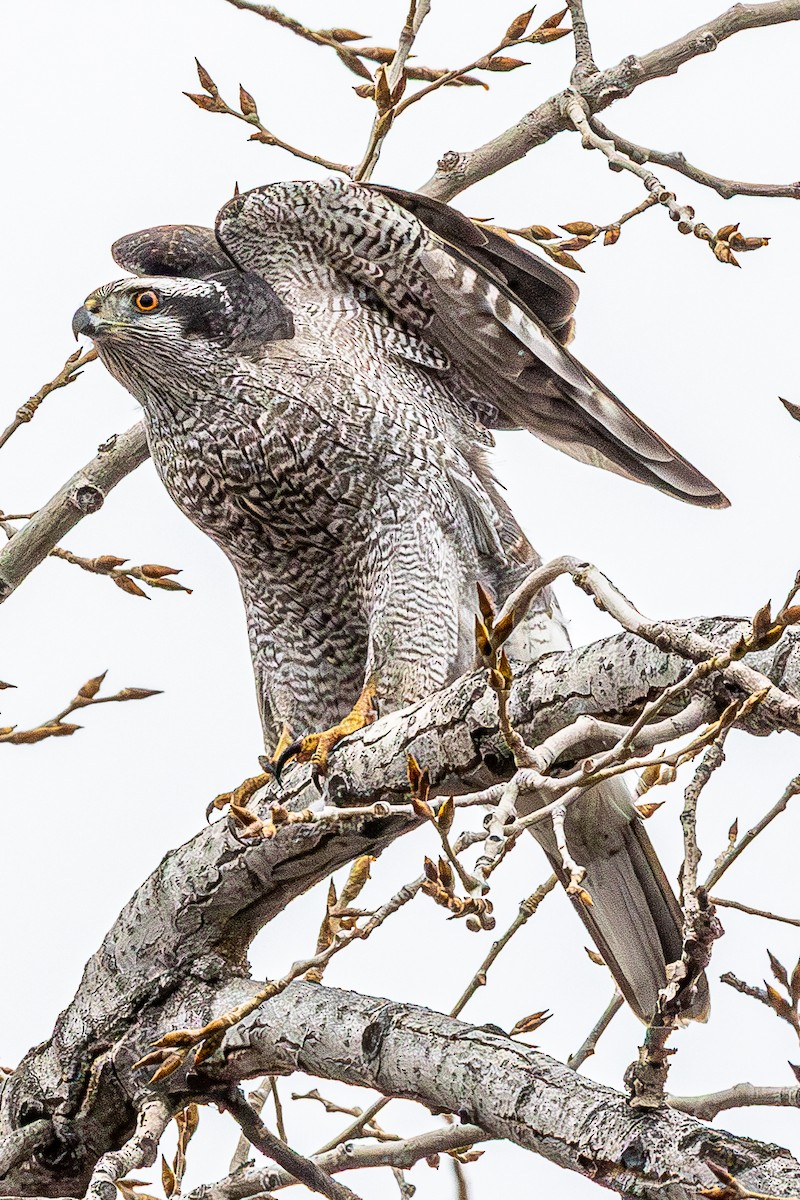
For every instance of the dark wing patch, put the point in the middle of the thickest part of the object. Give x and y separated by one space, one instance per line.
541 287
185 251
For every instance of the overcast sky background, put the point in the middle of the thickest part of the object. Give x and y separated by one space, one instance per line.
99 141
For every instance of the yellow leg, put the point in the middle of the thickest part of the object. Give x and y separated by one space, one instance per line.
248 788
316 747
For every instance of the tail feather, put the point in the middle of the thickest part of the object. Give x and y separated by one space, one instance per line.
634 919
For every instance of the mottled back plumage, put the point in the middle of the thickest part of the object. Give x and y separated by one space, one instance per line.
320 378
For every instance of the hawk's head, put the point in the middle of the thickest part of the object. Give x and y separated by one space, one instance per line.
144 327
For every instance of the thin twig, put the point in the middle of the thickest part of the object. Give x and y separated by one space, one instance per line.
303 1169
741 1095
584 59
754 912
589 1044
721 243
526 910
68 374
728 858
676 161
388 88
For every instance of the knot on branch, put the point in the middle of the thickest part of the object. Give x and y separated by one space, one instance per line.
87 498
706 43
451 160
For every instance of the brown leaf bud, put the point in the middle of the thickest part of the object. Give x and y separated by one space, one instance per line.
167 1178
578 243
431 873
518 26
91 687
247 104
499 63
779 1005
208 103
157 571
108 562
529 1024
447 812
485 605
343 35
205 79
554 21
129 585
580 228
353 63
778 969
383 98
543 36
132 693
562 258
611 235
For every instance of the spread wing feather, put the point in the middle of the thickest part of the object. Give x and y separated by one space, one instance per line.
498 314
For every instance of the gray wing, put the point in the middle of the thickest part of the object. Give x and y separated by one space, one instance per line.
499 314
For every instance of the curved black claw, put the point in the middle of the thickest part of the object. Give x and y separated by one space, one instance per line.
290 751
316 777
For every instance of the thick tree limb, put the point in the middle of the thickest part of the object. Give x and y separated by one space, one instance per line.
509 1090
175 956
458 171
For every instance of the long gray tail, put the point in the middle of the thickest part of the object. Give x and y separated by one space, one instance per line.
634 919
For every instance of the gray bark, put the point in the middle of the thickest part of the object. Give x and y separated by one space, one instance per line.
176 955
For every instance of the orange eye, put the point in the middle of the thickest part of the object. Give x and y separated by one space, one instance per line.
146 301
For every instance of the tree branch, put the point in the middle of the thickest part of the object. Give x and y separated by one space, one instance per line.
402 1154
176 955
81 495
524 1096
458 171
676 161
741 1095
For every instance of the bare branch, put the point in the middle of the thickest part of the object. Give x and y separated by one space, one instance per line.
741 1095
584 59
721 243
303 1170
401 1154
754 912
81 495
139 1151
676 161
525 1096
68 374
458 171
19 1144
729 857
388 88
589 1044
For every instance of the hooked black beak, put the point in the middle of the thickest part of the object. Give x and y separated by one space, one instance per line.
86 320
83 322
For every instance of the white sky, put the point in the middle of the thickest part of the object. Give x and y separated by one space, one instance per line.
98 142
